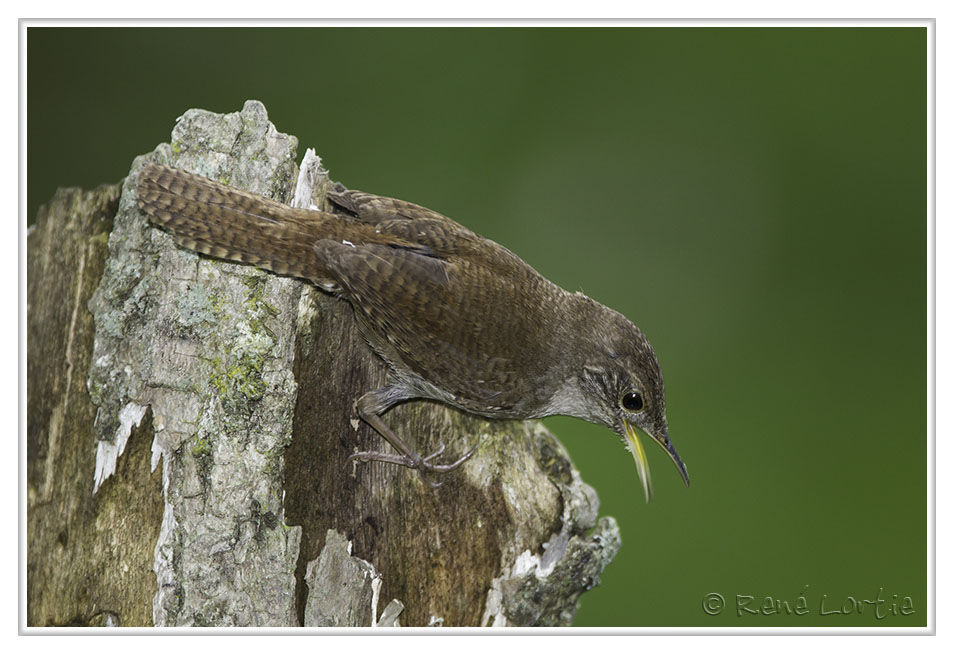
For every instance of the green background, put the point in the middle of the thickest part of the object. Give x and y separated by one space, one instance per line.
753 198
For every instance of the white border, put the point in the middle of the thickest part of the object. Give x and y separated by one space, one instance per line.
345 18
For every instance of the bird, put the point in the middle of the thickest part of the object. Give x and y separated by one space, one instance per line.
457 318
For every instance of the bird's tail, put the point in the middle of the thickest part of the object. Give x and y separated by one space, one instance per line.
224 222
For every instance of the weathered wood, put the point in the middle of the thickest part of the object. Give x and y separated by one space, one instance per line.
243 382
89 556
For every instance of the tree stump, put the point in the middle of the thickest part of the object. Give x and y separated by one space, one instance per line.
189 422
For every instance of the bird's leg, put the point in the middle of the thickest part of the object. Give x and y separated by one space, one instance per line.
370 406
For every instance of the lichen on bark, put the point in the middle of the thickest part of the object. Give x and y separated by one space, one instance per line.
208 345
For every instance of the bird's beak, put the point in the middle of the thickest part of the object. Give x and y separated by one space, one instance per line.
642 463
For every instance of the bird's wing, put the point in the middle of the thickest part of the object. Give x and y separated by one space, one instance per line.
444 317
371 208
412 223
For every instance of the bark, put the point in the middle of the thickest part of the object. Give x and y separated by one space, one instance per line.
189 422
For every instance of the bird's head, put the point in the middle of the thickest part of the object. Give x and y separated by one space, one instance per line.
624 386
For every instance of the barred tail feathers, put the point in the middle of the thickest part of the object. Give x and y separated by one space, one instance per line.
224 222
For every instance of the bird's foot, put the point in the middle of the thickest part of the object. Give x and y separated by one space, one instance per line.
415 461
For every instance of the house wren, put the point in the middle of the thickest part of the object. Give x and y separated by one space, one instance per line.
456 317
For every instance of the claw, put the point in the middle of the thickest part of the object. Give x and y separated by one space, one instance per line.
466 456
432 484
415 462
381 456
439 451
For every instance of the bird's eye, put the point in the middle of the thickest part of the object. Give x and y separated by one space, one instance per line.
632 402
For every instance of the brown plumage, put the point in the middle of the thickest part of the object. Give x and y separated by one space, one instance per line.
458 318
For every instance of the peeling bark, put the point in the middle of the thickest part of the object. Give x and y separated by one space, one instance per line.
240 384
